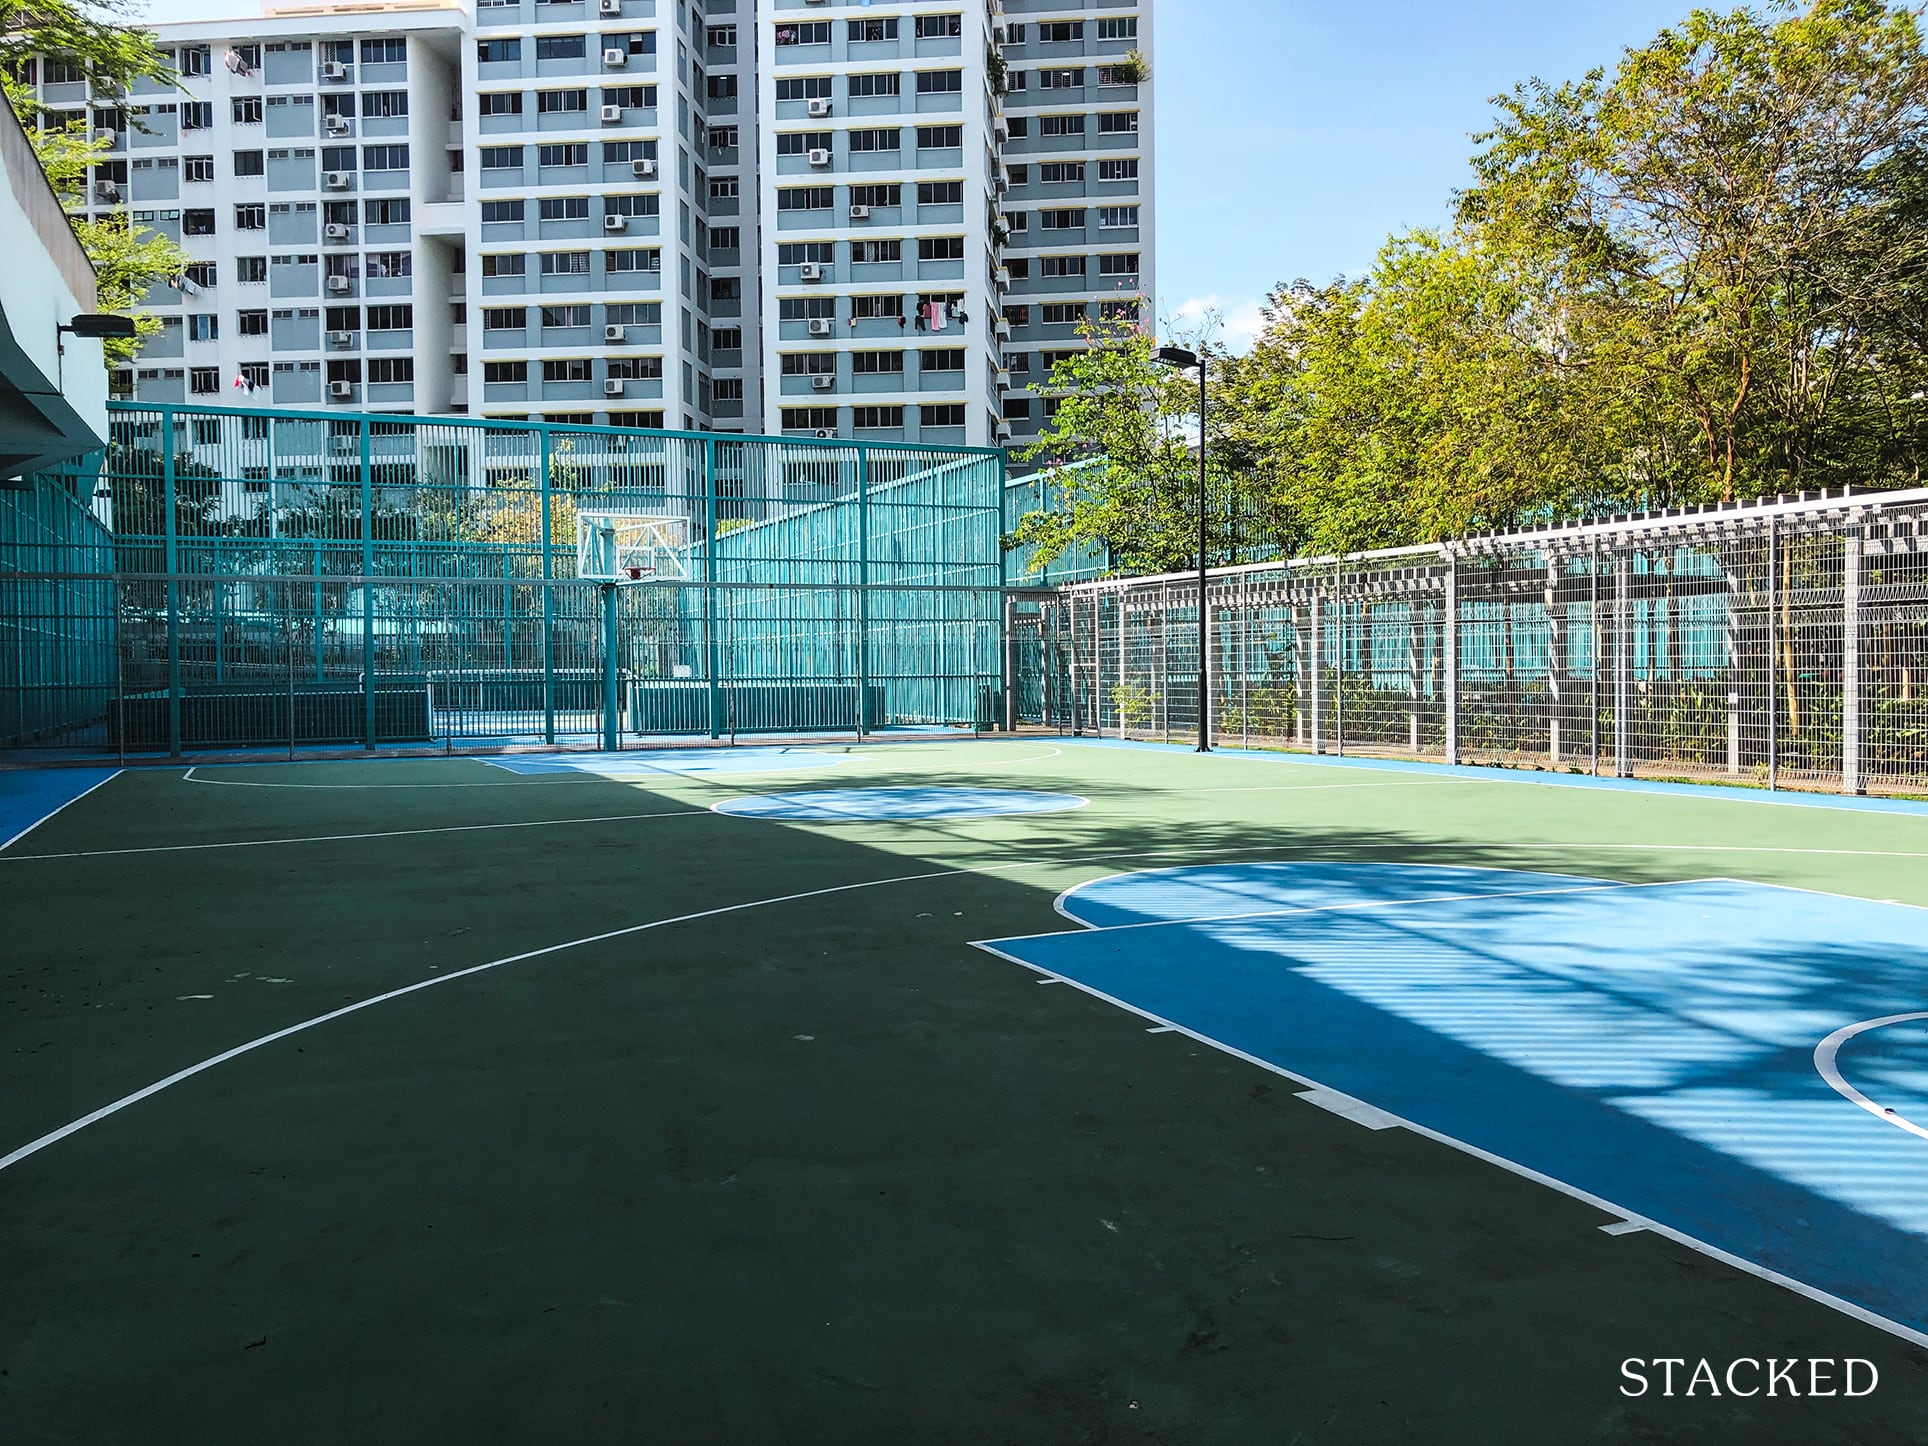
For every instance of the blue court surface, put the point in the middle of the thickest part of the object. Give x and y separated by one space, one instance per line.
1653 1046
29 795
873 805
681 762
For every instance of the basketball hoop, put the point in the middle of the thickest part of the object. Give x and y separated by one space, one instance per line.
618 548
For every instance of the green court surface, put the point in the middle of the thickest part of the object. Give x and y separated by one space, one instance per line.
716 1126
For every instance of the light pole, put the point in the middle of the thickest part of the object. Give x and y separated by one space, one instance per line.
1177 356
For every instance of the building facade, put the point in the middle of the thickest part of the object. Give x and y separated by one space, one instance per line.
816 217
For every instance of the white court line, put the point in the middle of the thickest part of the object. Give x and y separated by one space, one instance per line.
68 804
1824 1061
256 843
1760 1272
1306 787
189 777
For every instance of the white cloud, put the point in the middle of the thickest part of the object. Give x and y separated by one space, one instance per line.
1233 323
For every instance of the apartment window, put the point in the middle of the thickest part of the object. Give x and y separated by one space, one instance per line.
809 363
555 317
1063 313
1120 27
1050 359
564 208
723 138
566 369
871 419
1117 75
629 150
645 205
887 83
877 140
201 273
806 198
1120 263
250 269
1017 362
810 32
1060 266
727 338
729 389
939 27
554 102
804 87
943 414
633 260
337 318
1117 122
505 318
1120 170
949 359
499 102
939 82
380 264
576 154
393 211
861 30
721 87
1060 32
204 381
874 196
875 252
560 47
876 363
1112 218
1020 126
722 238
1118 310
940 193
636 368
797 143
391 318
385 158
198 223
639 313
1061 125
1014 81
488 51
296 260
246 110
391 369
500 211
502 158
1017 409
940 138
251 323
505 371
503 263
726 288
1054 173
203 328
809 419
207 430
197 168
940 248
338 158
1062 220
198 115
1057 79
390 51
249 163
565 263
724 188
722 37
806 308
795 253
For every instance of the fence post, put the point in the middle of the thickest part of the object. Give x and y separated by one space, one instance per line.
1623 662
1555 658
1593 653
863 588
711 653
367 591
1773 655
1339 664
1244 660
120 675
1315 668
1449 644
611 740
1413 655
545 486
1010 664
173 559
1124 670
1851 723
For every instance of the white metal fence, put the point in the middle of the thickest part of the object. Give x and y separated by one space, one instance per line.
1782 644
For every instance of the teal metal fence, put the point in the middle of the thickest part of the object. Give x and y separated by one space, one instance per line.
278 577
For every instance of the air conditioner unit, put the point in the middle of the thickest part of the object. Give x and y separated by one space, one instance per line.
342 338
811 271
1004 276
819 157
107 190
1002 182
820 326
107 137
611 114
613 387
335 231
824 434
860 213
615 223
615 333
1004 431
820 106
644 167
1002 377
615 58
333 70
341 392
337 125
610 7
1003 129
1001 327
338 284
336 180
822 383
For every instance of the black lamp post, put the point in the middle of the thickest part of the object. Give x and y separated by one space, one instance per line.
1177 356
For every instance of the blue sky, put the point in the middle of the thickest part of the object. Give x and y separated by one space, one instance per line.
1295 135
